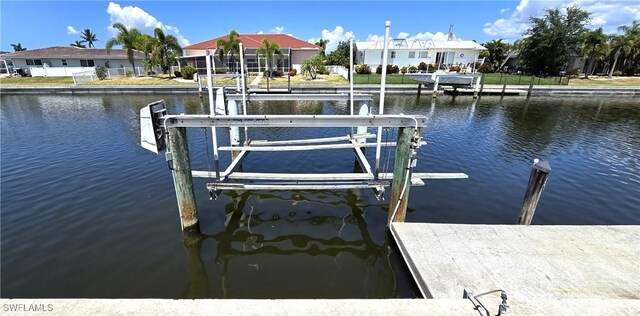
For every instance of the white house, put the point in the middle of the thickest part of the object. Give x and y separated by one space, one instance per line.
61 61
403 52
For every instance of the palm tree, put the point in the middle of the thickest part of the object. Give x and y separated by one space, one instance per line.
78 44
269 49
89 37
629 45
594 40
496 50
323 44
126 38
229 46
18 47
165 50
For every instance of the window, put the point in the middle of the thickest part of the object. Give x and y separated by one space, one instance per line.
393 54
412 54
87 63
34 62
64 62
423 55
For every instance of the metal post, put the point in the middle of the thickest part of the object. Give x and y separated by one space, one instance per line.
385 52
182 180
538 178
402 174
212 111
244 94
351 73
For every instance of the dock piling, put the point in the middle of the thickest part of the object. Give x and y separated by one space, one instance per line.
405 152
182 179
538 178
530 87
435 87
419 90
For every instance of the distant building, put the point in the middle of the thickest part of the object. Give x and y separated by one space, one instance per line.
294 52
61 61
404 52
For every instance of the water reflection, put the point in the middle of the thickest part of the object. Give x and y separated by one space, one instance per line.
259 251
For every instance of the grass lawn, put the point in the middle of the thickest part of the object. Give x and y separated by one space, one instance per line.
375 79
495 78
299 80
36 81
605 81
137 81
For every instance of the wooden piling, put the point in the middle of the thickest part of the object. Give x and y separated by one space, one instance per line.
530 87
401 176
539 173
419 89
481 84
504 87
182 179
435 87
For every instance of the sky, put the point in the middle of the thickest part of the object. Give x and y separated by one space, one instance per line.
38 24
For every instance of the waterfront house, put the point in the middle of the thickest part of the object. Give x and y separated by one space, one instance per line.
61 61
294 52
406 52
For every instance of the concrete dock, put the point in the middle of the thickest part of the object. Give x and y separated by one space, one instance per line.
556 266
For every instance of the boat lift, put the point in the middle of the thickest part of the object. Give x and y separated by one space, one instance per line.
162 131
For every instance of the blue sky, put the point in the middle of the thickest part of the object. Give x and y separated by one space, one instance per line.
37 24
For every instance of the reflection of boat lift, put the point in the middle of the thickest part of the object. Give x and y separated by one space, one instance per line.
156 126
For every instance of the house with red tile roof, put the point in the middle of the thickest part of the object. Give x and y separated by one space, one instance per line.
294 52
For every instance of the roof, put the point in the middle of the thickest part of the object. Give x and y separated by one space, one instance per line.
72 52
404 44
255 41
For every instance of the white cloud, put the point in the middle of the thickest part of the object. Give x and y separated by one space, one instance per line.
438 36
608 14
277 30
131 16
504 10
260 32
71 30
334 37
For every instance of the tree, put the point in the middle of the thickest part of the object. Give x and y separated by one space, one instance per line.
79 44
89 37
165 50
229 46
551 40
594 41
340 56
323 45
18 47
312 66
269 50
496 52
126 38
627 46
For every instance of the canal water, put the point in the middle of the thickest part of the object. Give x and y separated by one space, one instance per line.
86 212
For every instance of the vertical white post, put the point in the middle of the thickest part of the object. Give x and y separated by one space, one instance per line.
234 132
244 96
475 59
351 72
179 66
435 86
385 52
212 112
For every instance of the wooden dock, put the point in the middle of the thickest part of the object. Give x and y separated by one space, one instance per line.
555 265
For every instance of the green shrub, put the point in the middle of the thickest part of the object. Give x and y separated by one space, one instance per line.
101 72
617 72
392 69
293 72
413 69
379 69
403 70
363 69
220 71
485 68
423 66
188 72
128 73
178 74
278 73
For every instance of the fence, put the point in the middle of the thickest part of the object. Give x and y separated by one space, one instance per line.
57 71
338 70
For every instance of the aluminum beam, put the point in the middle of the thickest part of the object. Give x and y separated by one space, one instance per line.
294 121
305 96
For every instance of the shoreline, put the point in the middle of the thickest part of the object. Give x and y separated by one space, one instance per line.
540 90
